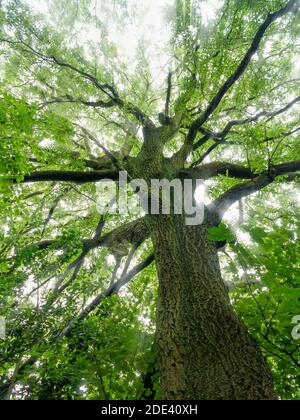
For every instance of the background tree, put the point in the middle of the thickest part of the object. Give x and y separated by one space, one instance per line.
73 112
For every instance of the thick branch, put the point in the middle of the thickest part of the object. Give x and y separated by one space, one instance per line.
169 91
226 200
70 99
78 177
211 170
289 7
214 169
203 140
129 233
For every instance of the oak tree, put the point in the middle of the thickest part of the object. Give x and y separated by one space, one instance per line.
84 314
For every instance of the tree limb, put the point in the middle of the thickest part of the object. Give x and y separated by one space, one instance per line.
129 233
226 200
69 99
78 177
289 7
220 136
169 91
111 290
271 114
105 88
211 170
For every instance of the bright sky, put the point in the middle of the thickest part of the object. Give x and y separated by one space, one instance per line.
150 26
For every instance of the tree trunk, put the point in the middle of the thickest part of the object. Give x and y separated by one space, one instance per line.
205 351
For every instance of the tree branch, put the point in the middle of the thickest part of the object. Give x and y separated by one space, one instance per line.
208 152
211 170
169 91
289 7
283 135
53 208
70 99
105 88
226 200
78 177
129 233
220 137
111 290
255 118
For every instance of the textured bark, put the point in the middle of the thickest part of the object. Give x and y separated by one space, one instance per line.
205 351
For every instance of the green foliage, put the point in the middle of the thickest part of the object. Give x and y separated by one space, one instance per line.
17 143
221 233
268 289
108 353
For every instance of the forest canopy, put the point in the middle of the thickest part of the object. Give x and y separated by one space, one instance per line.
106 306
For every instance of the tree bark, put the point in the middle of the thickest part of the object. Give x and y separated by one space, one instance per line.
205 351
